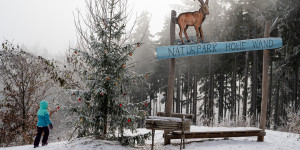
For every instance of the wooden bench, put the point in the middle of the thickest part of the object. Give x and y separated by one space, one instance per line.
179 127
168 123
216 134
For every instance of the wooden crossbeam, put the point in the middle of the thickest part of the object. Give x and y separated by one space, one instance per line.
216 134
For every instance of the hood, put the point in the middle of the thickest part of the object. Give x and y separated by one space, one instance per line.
43 104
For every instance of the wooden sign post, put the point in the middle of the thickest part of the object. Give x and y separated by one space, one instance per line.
175 51
171 79
264 101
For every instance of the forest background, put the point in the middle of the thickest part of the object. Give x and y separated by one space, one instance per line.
220 90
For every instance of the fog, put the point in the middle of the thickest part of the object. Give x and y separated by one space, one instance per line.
47 27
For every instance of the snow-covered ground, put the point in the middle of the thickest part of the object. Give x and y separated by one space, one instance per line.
274 140
77 144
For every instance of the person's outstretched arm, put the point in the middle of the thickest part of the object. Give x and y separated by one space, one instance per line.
48 120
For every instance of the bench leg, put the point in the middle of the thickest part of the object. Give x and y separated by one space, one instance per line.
183 135
153 133
166 139
260 139
181 141
261 136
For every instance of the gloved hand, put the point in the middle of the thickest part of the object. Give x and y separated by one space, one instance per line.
51 126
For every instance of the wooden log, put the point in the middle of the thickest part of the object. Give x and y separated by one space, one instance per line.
217 134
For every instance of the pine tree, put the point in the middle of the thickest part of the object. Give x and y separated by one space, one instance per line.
105 106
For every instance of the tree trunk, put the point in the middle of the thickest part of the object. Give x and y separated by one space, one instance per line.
181 96
295 95
178 92
238 108
245 92
105 108
205 99
211 91
297 99
150 104
191 94
173 107
283 105
225 97
221 97
152 96
187 108
156 103
23 113
254 84
276 110
254 88
233 92
195 95
270 97
143 96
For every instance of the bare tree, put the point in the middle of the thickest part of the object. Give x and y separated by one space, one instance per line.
27 80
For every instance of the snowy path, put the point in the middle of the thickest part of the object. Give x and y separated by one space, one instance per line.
273 141
82 144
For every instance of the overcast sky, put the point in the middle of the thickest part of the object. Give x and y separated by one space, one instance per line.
47 26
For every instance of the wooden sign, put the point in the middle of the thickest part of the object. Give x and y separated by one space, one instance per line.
175 51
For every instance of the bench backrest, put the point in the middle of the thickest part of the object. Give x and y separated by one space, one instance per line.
177 115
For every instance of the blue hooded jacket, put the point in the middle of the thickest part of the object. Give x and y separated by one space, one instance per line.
43 115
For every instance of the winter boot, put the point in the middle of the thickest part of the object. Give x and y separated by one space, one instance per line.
44 144
35 146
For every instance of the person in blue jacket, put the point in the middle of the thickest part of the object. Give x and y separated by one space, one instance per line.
42 124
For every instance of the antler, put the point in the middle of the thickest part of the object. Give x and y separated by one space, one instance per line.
206 2
201 2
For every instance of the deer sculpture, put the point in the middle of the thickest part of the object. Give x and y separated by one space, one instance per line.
195 19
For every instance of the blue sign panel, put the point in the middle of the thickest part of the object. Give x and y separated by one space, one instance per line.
176 51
